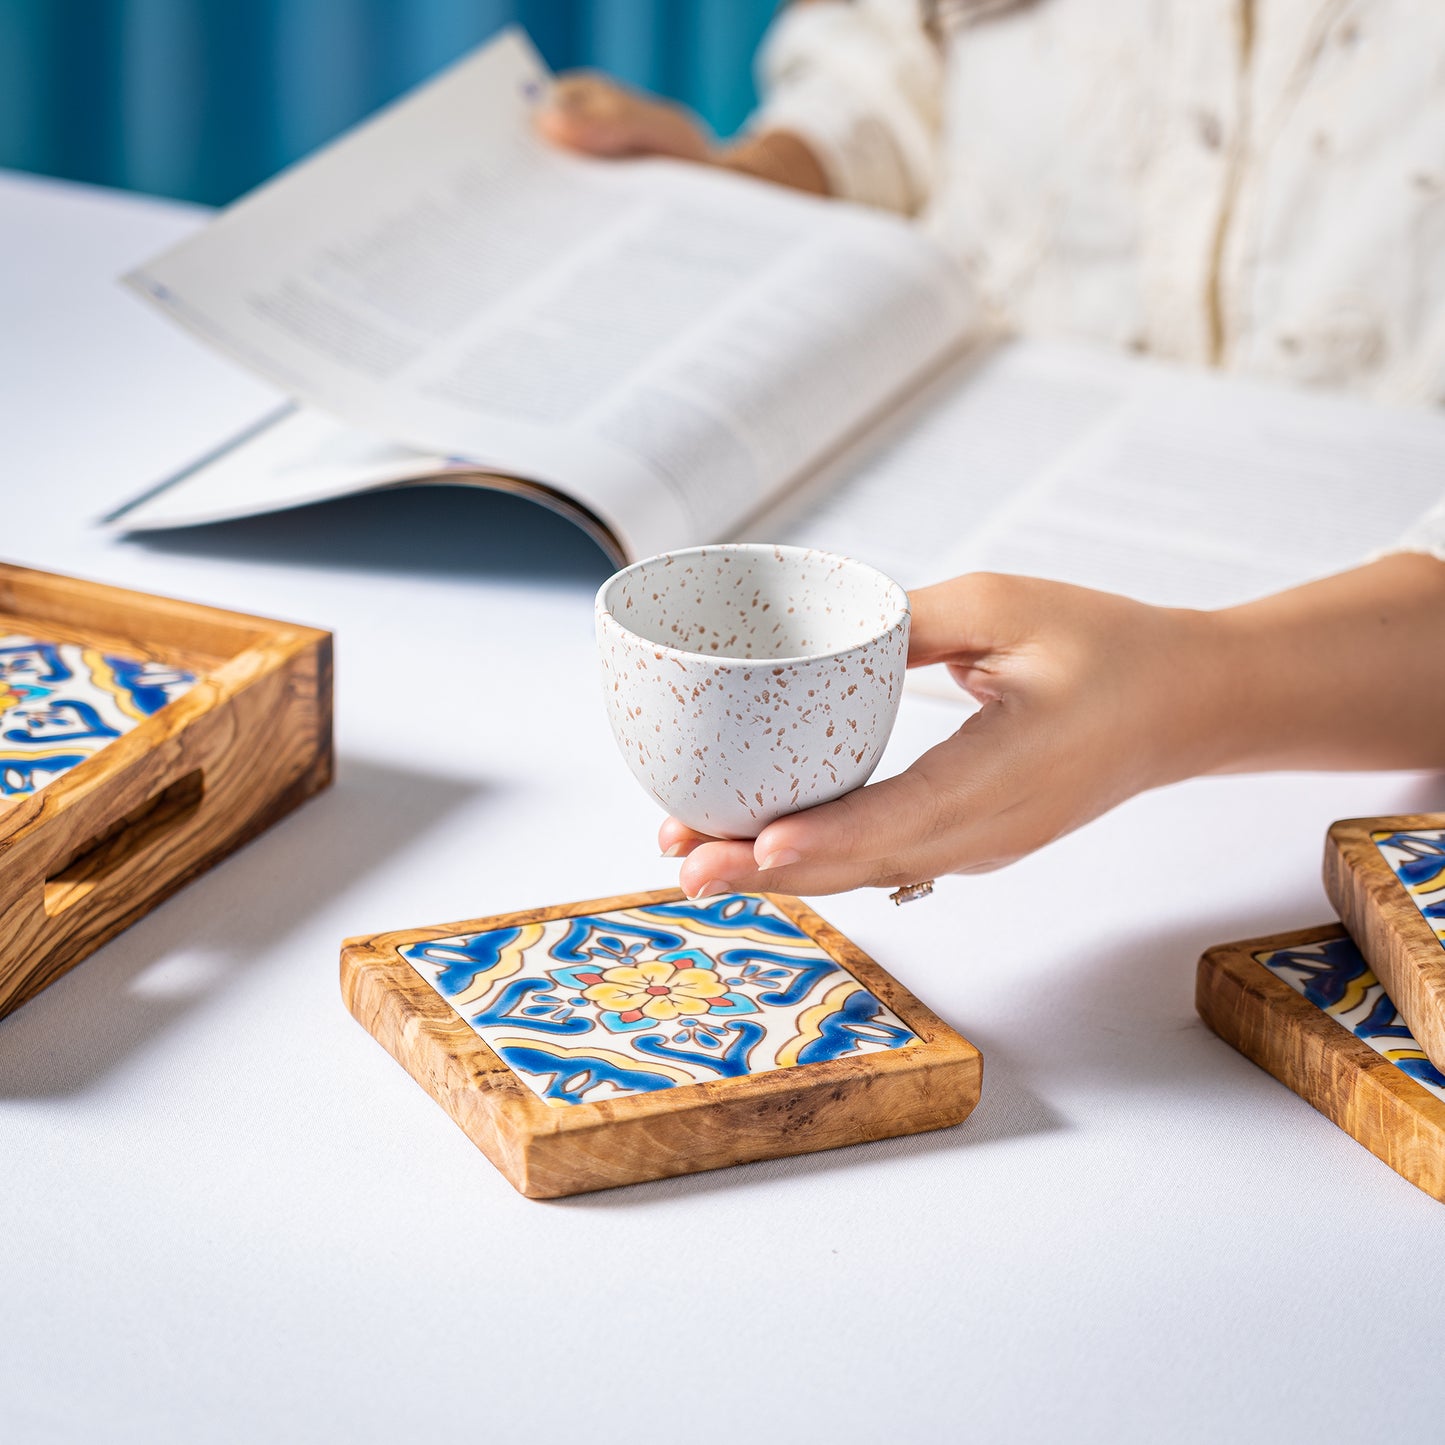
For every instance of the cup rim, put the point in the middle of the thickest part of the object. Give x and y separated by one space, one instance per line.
902 612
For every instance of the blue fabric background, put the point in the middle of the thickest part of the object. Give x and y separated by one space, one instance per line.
202 99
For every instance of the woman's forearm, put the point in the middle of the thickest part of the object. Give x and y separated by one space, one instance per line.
1347 672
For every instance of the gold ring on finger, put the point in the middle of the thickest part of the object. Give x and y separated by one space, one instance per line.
910 891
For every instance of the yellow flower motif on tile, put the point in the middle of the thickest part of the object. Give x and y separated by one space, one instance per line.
8 697
655 990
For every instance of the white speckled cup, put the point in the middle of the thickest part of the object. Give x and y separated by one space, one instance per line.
747 681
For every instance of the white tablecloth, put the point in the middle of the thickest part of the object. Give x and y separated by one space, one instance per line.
229 1216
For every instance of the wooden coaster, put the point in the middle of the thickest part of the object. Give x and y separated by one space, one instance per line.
623 1039
1386 878
1306 1007
141 740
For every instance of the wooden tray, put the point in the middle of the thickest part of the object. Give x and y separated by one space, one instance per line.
141 740
1306 1007
623 1039
1386 878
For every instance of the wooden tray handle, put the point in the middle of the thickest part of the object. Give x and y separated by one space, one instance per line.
140 831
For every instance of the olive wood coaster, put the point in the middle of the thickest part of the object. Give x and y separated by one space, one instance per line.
1306 1007
141 740
1386 878
623 1039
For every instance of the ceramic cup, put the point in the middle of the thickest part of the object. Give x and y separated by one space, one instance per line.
748 681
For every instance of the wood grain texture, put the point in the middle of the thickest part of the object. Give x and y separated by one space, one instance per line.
1388 927
95 849
1395 1118
547 1152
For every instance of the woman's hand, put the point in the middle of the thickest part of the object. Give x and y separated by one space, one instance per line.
1089 698
591 113
596 115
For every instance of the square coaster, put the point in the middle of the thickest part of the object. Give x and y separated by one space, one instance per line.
623 1039
1306 1007
1386 878
60 703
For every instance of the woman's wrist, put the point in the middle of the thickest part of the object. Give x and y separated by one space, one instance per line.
1200 724
778 156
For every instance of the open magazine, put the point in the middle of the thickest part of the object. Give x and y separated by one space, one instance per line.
674 355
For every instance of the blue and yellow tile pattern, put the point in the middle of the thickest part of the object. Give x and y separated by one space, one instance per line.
1334 976
1417 859
628 1002
60 703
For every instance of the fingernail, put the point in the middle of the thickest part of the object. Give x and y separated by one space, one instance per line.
711 889
676 851
783 858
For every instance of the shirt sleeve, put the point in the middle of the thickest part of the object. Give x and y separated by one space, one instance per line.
1426 535
861 85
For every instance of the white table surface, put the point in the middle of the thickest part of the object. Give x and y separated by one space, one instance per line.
229 1216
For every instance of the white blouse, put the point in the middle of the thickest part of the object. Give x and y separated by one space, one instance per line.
1252 184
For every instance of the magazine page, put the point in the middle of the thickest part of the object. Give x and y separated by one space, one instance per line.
296 455
1177 486
669 344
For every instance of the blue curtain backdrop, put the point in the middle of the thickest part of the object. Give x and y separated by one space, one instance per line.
202 99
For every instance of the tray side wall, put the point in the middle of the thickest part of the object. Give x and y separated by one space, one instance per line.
263 745
1320 1060
438 1050
768 1116
1392 933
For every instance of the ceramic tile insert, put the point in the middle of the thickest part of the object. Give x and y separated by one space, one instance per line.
1417 859
596 1006
1334 976
60 703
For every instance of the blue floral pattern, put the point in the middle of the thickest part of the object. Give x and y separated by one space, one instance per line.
1417 859
1334 976
60 703
602 1005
